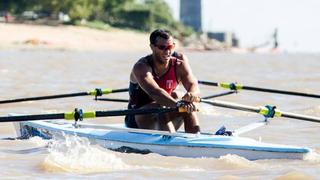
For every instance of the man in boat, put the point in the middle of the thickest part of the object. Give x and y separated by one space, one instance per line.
153 80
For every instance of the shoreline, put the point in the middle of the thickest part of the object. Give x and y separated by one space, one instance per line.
79 38
67 37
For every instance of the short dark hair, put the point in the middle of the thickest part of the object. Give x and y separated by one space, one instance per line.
165 34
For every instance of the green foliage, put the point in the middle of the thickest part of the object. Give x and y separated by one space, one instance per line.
17 6
96 25
80 9
143 15
160 12
136 19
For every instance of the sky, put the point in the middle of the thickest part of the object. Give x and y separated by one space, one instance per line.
254 21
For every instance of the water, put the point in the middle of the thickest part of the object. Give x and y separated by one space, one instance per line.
26 73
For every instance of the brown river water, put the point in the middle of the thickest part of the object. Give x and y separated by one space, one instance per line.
37 72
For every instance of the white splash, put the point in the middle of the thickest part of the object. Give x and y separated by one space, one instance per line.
235 161
39 141
313 157
4 71
75 154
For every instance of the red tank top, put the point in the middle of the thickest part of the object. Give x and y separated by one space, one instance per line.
168 81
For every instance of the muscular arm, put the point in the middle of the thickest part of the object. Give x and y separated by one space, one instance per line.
141 74
184 72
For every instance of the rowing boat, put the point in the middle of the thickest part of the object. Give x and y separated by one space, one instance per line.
117 137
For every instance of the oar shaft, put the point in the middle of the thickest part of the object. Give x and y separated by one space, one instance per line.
219 95
260 110
231 105
135 111
90 114
208 83
120 90
44 97
250 88
114 100
31 117
280 91
300 117
94 92
206 97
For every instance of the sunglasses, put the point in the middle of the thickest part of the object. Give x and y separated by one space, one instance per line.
164 47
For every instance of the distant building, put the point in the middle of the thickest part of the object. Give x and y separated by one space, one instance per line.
228 38
190 14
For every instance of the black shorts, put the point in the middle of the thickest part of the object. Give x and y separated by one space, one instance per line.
130 121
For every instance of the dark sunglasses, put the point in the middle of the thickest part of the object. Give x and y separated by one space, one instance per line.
164 47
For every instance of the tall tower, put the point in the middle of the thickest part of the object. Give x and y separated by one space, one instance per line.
190 14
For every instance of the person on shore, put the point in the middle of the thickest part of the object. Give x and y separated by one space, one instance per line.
153 80
6 17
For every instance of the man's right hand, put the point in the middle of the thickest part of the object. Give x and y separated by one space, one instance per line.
188 107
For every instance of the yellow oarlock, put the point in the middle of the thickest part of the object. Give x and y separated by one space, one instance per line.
104 91
88 114
229 85
265 111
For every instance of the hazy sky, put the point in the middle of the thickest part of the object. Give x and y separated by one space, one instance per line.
254 21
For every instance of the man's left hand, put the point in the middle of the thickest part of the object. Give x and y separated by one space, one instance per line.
189 97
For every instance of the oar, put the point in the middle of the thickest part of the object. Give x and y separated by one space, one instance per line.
219 95
236 86
113 100
267 111
95 92
206 97
79 114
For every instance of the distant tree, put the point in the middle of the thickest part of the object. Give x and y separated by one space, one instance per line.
144 15
16 6
80 9
160 13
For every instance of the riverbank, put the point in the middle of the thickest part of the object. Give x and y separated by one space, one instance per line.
78 38
25 36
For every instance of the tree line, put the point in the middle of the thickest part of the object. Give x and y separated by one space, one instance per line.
143 15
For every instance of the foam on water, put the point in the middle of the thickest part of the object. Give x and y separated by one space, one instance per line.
237 162
315 111
75 154
39 141
180 166
4 71
313 156
163 163
295 175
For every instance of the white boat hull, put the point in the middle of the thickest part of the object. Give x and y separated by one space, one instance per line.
180 145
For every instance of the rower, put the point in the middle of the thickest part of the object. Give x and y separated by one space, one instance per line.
153 80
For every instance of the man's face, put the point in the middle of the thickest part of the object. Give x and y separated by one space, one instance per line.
163 49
